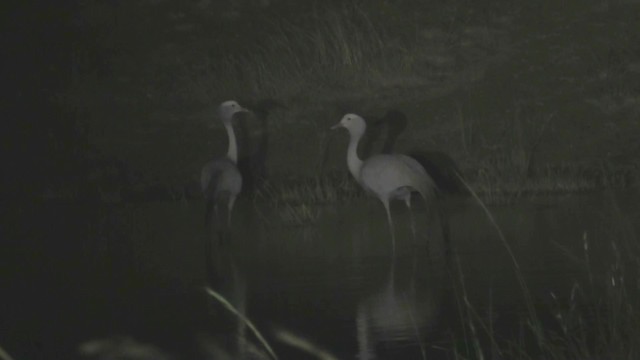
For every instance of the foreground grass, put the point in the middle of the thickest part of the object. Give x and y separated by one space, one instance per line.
4 355
597 318
243 318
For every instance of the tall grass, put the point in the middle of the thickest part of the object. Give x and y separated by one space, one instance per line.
298 342
4 355
243 318
327 52
337 46
300 202
534 322
496 181
598 318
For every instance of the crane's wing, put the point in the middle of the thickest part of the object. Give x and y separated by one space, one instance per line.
384 173
415 170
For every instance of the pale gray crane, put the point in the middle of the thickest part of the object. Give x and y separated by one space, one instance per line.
220 179
387 176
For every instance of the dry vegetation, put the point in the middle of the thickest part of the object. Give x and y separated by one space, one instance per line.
520 105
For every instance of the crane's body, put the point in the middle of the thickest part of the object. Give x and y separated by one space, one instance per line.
387 176
220 181
395 176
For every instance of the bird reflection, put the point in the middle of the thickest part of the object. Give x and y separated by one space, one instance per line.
225 277
404 310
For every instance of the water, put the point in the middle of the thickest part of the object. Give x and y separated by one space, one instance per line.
77 272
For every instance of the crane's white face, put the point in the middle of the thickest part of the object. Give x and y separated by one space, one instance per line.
352 122
229 108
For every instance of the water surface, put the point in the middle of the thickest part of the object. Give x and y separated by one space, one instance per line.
76 272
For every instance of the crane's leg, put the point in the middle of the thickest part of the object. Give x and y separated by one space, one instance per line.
428 220
232 200
208 260
208 211
390 221
407 201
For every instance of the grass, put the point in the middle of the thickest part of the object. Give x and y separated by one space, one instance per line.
4 355
303 344
597 318
503 183
496 182
300 202
331 48
371 57
299 215
292 59
243 318
573 128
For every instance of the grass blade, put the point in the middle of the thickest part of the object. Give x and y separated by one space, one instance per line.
248 322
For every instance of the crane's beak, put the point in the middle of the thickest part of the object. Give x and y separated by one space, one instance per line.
336 126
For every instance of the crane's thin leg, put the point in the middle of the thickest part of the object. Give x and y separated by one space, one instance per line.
216 228
208 211
428 220
208 252
232 200
239 292
407 201
393 234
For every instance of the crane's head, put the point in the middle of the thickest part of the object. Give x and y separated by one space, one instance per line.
227 109
352 122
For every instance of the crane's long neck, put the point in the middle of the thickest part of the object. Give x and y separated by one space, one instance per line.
232 152
353 161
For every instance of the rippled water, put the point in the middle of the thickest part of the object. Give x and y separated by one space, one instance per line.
81 272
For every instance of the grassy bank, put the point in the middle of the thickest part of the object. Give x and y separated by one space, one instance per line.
521 98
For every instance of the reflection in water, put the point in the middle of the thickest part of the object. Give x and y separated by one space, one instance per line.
404 310
394 320
119 347
336 287
225 277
